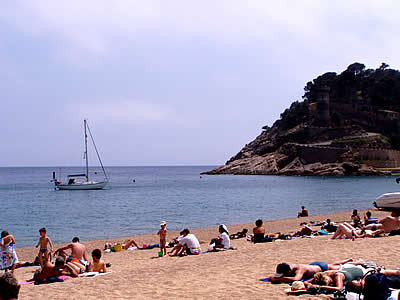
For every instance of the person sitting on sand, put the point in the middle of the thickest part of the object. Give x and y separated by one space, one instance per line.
98 265
388 224
78 250
259 233
295 272
223 241
368 219
9 287
239 234
334 280
329 226
189 242
303 213
355 219
175 249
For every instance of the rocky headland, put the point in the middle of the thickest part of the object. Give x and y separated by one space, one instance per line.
347 124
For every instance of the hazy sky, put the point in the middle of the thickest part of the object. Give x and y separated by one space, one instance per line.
170 82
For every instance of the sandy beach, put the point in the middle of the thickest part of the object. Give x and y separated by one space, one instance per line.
227 274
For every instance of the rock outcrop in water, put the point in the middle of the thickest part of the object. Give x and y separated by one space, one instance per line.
348 124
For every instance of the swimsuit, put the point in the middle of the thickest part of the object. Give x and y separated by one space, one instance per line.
44 250
164 239
321 264
351 274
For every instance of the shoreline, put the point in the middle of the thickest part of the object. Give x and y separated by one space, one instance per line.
226 274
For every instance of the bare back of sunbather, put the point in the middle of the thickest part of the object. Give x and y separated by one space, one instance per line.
388 224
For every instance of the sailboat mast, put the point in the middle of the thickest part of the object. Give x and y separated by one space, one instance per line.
86 153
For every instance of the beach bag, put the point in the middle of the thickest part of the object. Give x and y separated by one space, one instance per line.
376 287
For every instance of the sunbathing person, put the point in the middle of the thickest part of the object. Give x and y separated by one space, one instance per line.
345 230
355 219
388 224
329 226
259 233
50 270
98 265
239 234
295 272
392 278
334 280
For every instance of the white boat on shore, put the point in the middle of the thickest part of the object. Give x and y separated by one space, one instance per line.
73 182
388 200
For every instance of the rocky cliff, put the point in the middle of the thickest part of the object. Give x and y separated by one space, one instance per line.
339 129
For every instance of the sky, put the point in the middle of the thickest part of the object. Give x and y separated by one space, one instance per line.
170 82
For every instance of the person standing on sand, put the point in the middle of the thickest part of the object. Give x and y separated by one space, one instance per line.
8 255
163 237
78 250
43 243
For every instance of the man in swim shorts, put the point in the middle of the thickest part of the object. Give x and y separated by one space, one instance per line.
295 272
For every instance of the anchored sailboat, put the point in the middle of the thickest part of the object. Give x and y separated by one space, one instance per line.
73 183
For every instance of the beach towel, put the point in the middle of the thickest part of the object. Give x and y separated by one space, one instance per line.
93 274
48 280
289 283
8 256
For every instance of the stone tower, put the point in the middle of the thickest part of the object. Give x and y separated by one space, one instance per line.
322 115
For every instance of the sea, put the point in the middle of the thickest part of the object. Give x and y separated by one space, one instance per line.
138 198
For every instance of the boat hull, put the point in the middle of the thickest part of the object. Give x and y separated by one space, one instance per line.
92 185
388 200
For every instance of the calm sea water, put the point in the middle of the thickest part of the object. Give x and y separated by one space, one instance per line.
175 194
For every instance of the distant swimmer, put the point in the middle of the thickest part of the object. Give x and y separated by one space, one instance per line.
398 180
133 180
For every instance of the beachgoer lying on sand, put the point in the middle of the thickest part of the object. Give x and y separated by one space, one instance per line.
98 265
259 233
295 272
223 241
305 231
388 224
392 278
334 280
303 213
345 230
9 287
50 270
239 234
78 250
329 226
188 243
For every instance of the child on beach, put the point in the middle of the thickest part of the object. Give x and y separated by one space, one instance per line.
8 256
98 265
43 243
163 237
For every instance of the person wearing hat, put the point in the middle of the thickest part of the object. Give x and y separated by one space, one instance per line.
223 241
163 237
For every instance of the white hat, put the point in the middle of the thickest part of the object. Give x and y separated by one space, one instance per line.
297 287
163 223
225 228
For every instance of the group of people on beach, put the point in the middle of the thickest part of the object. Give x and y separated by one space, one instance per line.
350 276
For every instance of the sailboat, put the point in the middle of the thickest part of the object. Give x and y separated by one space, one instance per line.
73 180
